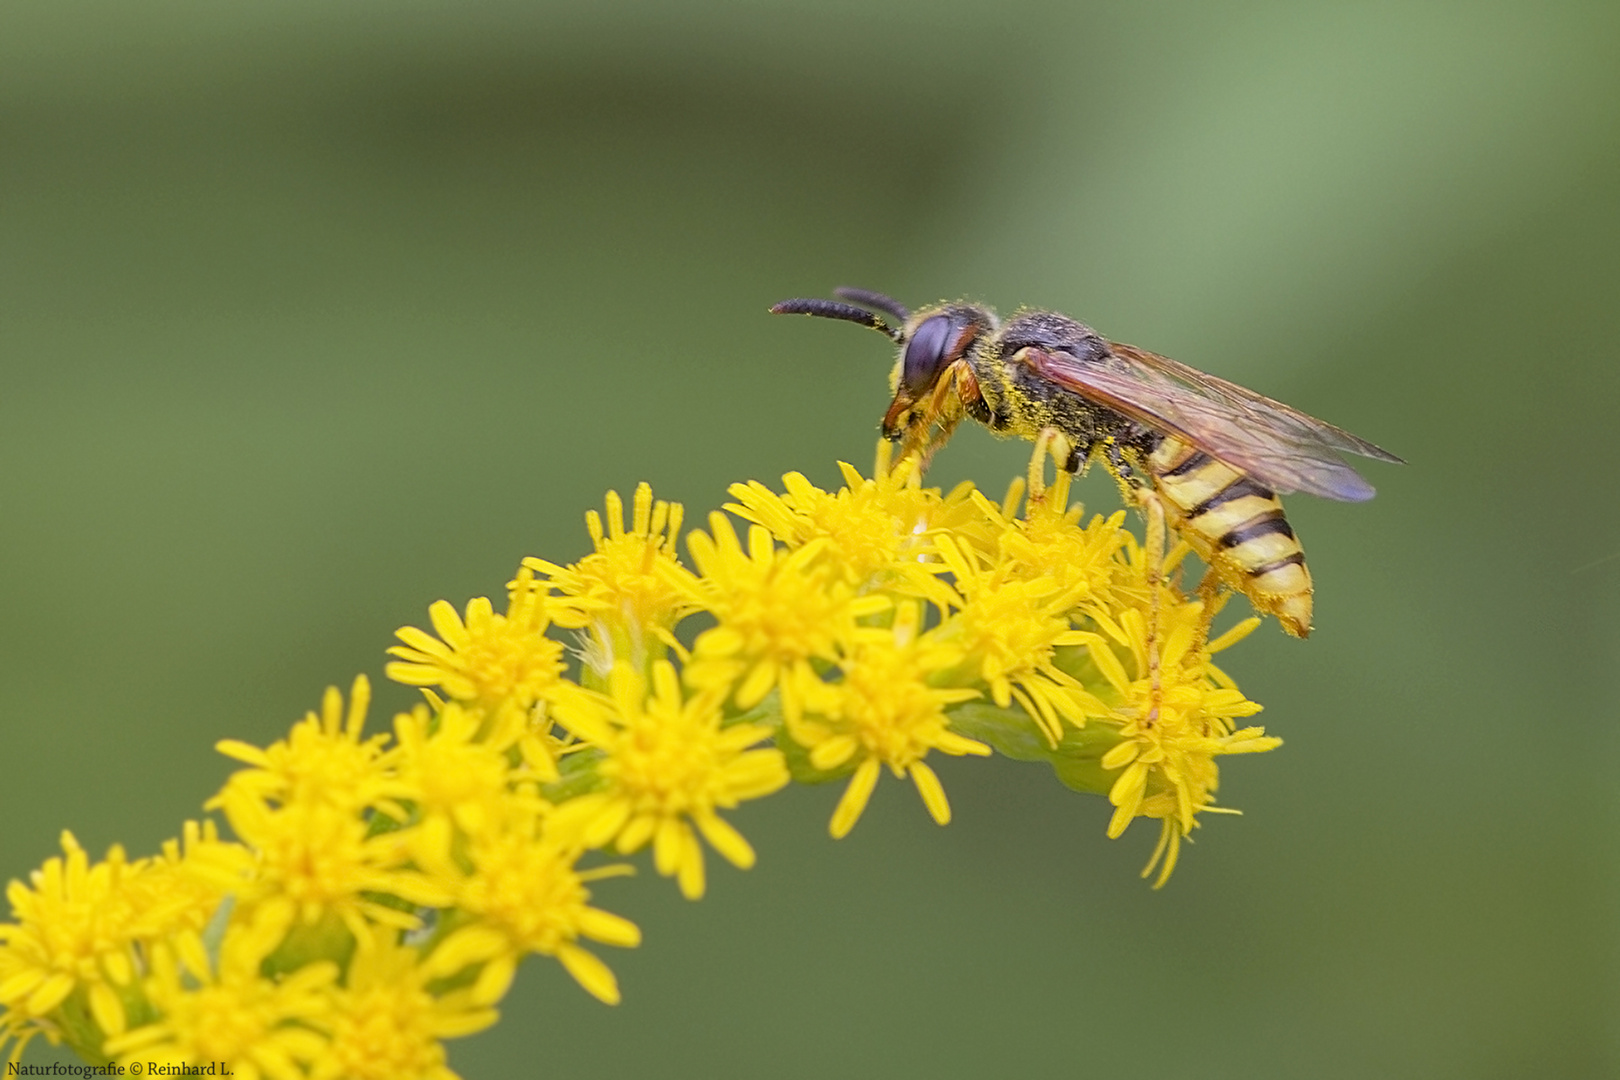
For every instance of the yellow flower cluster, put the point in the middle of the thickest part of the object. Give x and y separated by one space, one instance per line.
377 892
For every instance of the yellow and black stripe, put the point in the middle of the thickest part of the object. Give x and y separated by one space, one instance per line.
1237 526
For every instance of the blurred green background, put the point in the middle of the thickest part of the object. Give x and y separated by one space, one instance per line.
312 314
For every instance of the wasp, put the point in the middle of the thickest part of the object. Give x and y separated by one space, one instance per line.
1203 455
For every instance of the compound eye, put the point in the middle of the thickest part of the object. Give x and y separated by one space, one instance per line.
925 355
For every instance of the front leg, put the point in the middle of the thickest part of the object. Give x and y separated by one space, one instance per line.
925 438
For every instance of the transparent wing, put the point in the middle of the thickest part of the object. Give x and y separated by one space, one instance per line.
1244 399
1279 446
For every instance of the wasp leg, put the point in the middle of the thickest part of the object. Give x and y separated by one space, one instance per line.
1075 463
884 459
1117 463
1130 483
1210 590
1153 552
1050 442
923 439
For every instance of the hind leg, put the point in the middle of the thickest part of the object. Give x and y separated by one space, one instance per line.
1210 590
1153 553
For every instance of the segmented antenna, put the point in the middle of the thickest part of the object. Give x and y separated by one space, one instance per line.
867 298
832 309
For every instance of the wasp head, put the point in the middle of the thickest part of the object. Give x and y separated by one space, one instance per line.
933 378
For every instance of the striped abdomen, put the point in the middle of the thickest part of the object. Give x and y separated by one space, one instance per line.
1236 525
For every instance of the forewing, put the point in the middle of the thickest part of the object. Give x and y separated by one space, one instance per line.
1279 446
1242 398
